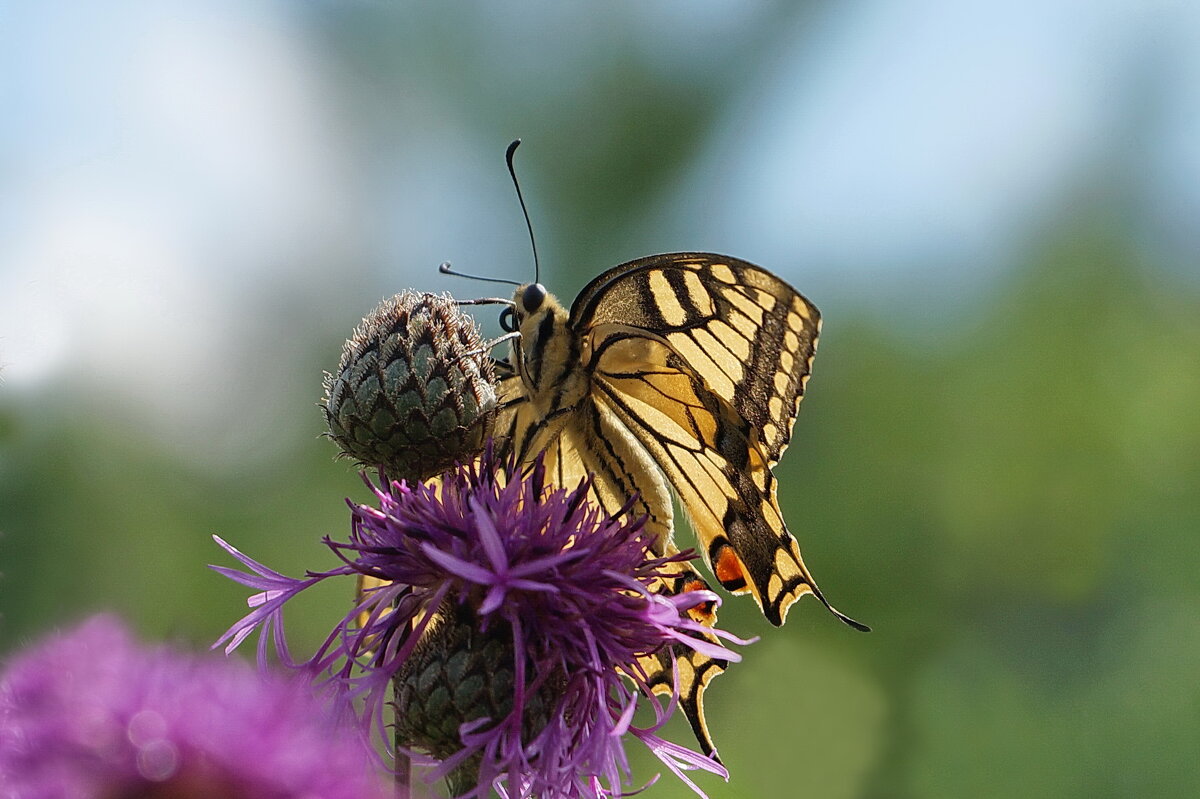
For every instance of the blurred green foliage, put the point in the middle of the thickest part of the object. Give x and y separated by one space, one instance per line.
1009 499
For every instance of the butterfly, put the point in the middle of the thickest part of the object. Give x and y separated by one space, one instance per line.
683 373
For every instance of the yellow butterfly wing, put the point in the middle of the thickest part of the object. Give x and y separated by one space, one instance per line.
689 366
705 359
748 335
588 441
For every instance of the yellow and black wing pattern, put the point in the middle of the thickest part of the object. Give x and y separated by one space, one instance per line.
597 444
705 359
679 372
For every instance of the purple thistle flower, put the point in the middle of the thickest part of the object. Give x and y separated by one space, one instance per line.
512 611
92 715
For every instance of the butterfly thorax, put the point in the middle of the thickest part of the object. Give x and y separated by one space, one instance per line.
546 353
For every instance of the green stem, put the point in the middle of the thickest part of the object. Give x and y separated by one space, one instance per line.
400 761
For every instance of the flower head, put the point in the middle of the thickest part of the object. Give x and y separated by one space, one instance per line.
91 714
511 623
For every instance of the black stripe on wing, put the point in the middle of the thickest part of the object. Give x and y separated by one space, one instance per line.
722 481
696 670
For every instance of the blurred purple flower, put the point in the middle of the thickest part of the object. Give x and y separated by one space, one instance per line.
569 592
92 715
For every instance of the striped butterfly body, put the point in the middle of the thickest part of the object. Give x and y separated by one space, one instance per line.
678 372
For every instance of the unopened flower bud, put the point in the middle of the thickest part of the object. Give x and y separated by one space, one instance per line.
414 391
459 673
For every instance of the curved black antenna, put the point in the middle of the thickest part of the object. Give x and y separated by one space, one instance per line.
446 270
508 158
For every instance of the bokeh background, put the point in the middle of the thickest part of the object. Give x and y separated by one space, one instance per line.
995 205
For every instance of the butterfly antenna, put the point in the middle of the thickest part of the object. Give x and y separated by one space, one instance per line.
446 270
508 158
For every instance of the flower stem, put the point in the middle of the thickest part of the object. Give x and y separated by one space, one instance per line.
400 761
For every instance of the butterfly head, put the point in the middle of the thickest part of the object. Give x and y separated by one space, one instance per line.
531 297
527 301
546 352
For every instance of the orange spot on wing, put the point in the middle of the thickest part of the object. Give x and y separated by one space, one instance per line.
728 569
705 613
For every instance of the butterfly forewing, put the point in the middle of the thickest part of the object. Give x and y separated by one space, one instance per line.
748 335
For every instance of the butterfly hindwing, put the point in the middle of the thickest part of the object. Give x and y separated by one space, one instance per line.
590 443
721 477
580 444
681 669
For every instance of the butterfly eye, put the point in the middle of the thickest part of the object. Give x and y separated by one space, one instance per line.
508 320
532 297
